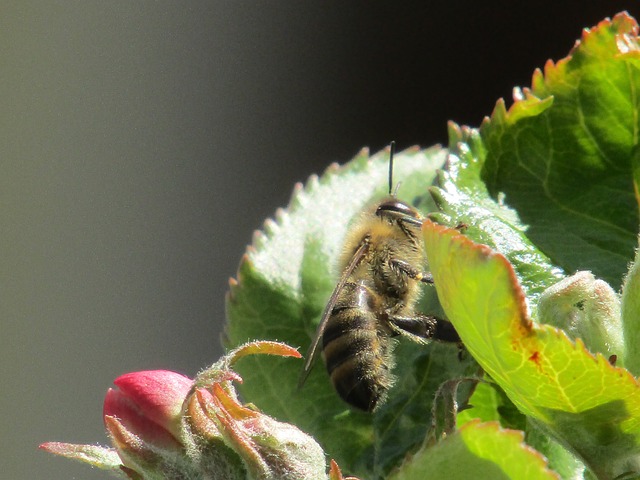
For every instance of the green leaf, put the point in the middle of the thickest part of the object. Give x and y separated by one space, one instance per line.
464 199
631 316
489 403
562 154
101 457
477 450
560 460
580 398
283 283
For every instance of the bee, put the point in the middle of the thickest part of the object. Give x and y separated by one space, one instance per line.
382 269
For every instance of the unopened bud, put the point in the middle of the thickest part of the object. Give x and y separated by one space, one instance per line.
586 308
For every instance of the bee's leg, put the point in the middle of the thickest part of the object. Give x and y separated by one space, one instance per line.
425 327
410 271
426 278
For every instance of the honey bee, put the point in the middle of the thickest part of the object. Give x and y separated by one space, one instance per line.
382 269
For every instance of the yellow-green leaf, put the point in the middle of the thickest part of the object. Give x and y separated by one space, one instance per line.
481 451
580 398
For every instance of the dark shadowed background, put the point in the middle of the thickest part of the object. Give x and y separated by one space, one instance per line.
143 142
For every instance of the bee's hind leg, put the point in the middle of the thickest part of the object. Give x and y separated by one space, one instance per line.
424 327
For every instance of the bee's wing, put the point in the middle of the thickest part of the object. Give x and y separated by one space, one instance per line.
313 352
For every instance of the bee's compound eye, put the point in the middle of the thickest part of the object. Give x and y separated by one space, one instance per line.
396 208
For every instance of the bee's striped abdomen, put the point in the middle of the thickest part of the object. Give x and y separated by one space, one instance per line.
356 354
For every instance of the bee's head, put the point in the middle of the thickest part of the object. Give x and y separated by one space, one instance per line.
395 211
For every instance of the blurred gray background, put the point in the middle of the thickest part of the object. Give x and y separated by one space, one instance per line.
141 143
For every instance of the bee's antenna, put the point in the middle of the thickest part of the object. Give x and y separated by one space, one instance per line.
392 150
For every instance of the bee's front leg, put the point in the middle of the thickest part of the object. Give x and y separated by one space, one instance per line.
410 271
423 327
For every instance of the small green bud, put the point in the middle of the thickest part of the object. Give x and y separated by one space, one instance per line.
586 308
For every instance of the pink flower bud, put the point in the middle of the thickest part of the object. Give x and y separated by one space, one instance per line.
148 404
165 425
